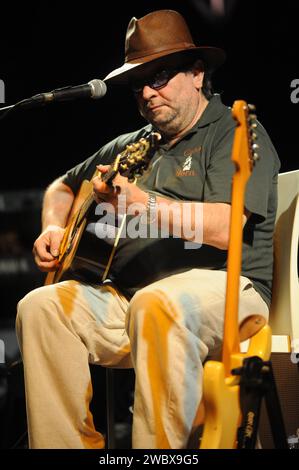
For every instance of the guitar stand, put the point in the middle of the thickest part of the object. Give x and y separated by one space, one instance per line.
257 382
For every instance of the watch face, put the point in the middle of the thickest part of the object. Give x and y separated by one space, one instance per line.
152 200
151 208
150 215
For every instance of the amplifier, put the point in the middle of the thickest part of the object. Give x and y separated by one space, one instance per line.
286 375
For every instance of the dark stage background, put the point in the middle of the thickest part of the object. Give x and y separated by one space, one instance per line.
47 45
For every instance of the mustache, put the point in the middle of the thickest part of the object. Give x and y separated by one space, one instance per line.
151 105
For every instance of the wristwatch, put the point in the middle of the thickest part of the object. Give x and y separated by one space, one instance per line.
150 214
151 208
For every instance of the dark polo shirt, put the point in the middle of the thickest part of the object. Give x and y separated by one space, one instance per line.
197 168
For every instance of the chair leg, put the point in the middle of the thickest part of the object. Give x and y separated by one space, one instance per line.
110 408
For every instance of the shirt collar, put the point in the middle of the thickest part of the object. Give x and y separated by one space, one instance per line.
214 110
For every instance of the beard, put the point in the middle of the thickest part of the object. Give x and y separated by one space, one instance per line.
164 119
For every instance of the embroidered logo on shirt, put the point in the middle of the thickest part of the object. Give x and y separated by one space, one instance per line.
189 152
187 163
186 170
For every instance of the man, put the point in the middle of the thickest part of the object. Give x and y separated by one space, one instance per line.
160 309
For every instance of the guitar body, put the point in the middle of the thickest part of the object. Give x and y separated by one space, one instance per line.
72 236
130 163
221 395
221 420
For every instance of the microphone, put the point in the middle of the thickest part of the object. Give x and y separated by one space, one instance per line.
94 89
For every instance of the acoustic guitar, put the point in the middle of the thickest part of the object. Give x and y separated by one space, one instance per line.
220 387
131 163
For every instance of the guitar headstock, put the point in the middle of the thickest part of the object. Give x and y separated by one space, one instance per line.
134 160
245 148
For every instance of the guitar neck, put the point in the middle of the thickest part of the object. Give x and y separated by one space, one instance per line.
130 162
231 340
242 158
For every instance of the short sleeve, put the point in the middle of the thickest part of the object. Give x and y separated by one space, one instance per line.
105 156
221 169
85 170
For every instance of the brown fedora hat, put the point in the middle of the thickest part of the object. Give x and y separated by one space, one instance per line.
161 38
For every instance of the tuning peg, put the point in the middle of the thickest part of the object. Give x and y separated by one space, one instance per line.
253 125
133 147
253 135
255 147
156 135
252 117
251 107
255 157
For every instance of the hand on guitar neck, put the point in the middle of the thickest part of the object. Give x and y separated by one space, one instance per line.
121 185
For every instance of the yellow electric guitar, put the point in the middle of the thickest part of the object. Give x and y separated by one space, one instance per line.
220 388
130 163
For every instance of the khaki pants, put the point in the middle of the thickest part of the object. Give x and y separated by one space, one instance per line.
166 332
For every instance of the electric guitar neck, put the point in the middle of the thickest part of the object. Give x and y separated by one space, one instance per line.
221 388
244 156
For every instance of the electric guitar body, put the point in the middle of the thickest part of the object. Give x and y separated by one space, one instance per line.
221 395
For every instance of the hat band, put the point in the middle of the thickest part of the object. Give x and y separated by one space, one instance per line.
177 47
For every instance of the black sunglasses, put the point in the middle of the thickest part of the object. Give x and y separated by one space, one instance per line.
159 80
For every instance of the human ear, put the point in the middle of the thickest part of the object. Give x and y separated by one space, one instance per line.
198 76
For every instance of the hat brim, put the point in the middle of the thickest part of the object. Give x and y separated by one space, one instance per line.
212 57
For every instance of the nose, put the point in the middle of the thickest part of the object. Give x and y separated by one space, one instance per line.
148 92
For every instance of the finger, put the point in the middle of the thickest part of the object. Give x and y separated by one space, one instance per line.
116 189
46 266
41 250
55 242
103 168
100 187
98 198
120 180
